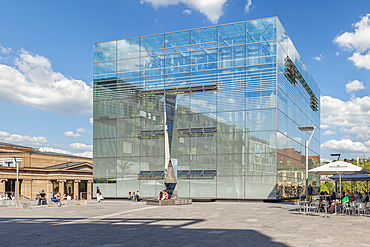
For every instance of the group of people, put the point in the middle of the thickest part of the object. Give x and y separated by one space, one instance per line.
56 198
133 196
163 195
339 201
6 196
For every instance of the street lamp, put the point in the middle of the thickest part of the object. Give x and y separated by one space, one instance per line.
307 128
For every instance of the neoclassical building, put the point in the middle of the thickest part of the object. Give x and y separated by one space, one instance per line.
51 172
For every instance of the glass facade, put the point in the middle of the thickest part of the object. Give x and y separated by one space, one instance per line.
235 132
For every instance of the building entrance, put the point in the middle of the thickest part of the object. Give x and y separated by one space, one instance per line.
68 188
10 186
82 188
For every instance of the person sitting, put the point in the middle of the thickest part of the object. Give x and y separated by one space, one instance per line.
160 196
357 196
137 196
69 197
12 196
129 196
344 202
133 197
58 198
366 198
6 197
352 197
42 198
166 195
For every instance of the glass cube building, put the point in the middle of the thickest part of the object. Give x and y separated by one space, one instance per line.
242 90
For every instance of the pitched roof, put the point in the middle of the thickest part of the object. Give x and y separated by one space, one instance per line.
65 165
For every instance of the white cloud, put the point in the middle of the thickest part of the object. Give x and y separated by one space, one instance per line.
33 82
82 130
71 134
357 41
345 146
22 139
81 146
5 50
87 154
337 53
329 132
319 57
186 12
247 6
361 61
353 86
350 117
91 120
213 9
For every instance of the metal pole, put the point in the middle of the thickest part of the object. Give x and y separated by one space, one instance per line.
306 170
17 185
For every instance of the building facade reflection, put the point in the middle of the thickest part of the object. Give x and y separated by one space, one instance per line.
235 133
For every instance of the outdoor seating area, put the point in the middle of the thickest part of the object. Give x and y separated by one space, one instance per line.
324 205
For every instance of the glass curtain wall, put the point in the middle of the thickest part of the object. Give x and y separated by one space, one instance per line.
235 112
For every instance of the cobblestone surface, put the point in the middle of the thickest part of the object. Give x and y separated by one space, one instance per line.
122 223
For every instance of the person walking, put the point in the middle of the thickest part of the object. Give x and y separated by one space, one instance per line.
98 194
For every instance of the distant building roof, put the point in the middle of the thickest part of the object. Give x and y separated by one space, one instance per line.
65 165
61 154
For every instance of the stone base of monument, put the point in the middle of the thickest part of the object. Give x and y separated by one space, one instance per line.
169 202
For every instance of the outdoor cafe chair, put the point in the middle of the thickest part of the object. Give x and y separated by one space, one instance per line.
315 207
367 207
361 207
298 206
349 208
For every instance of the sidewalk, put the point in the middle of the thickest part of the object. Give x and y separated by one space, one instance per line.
122 223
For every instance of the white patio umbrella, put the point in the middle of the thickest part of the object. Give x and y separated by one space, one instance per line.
339 167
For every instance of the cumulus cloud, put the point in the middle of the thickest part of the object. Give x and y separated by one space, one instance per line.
319 57
345 146
88 154
22 139
5 50
32 81
82 130
357 41
247 6
361 61
186 12
81 146
329 132
71 134
350 117
213 9
353 86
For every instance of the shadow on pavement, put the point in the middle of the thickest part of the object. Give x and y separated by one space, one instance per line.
111 232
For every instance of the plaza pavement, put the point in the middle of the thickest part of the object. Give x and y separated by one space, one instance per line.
113 223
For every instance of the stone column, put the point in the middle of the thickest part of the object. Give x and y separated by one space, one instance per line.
61 186
89 190
49 189
75 189
26 188
2 184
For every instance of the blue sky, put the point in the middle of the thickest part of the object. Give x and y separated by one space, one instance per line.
46 61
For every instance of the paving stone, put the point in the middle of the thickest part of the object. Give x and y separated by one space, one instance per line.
122 223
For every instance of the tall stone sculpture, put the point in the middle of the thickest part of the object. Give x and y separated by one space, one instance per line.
169 118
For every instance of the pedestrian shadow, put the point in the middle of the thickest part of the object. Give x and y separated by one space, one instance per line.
111 232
